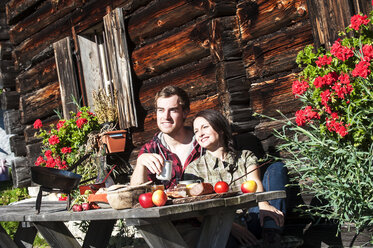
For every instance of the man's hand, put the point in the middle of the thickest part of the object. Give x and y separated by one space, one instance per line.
244 236
152 161
270 211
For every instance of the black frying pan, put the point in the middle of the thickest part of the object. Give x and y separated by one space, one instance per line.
51 178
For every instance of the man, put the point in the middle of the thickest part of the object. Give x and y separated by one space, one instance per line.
174 142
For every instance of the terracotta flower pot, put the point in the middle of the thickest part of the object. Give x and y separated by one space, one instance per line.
115 141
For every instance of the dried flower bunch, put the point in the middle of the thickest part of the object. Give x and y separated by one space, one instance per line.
105 106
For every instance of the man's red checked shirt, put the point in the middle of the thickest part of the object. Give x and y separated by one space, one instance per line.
155 146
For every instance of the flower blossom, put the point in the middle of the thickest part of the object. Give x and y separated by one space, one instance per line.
60 124
299 87
79 114
325 97
81 121
53 140
48 153
328 79
358 20
337 127
40 160
343 86
341 52
323 60
305 115
361 69
367 52
38 124
65 150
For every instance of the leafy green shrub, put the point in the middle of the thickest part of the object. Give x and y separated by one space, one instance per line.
330 144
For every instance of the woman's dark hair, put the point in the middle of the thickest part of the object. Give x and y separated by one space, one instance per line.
220 124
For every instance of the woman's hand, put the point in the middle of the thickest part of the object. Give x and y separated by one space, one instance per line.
244 236
265 209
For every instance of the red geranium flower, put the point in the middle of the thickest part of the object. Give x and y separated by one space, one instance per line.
40 160
78 114
65 150
341 52
361 69
358 20
305 115
38 124
324 60
81 121
60 124
48 153
53 140
299 87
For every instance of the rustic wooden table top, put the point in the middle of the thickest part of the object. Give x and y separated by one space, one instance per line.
155 224
56 211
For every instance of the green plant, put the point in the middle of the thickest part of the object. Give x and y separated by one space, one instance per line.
330 144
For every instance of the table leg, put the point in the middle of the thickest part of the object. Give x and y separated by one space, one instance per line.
216 229
162 234
56 234
25 235
5 240
99 233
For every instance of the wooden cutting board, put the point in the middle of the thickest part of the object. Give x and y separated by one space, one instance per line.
203 197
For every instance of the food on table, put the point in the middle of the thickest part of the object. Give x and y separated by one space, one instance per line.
197 189
145 200
179 191
248 186
86 206
155 187
159 198
221 187
77 208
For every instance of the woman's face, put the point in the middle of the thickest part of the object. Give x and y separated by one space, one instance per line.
206 136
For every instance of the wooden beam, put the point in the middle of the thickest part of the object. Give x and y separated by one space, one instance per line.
6 50
197 78
9 100
17 9
37 76
189 44
277 52
258 18
18 145
327 19
12 123
158 18
44 15
66 76
40 103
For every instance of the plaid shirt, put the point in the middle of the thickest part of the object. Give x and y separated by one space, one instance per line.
212 170
156 146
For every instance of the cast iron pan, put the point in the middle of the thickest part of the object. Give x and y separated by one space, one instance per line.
55 179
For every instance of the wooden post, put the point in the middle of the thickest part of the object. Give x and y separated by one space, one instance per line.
66 75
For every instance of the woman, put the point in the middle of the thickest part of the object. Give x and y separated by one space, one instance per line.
223 163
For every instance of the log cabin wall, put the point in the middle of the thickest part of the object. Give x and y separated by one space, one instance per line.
236 56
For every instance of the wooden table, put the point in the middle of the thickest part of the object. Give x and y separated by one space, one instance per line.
155 224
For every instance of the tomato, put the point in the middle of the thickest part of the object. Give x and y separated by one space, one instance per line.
221 187
145 200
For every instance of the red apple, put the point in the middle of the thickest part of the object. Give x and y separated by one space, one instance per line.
248 186
221 187
145 200
159 198
85 206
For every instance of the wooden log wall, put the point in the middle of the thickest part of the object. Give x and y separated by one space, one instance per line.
236 56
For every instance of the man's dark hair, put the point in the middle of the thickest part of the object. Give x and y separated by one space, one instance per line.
169 91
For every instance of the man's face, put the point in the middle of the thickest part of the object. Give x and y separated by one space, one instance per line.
170 115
